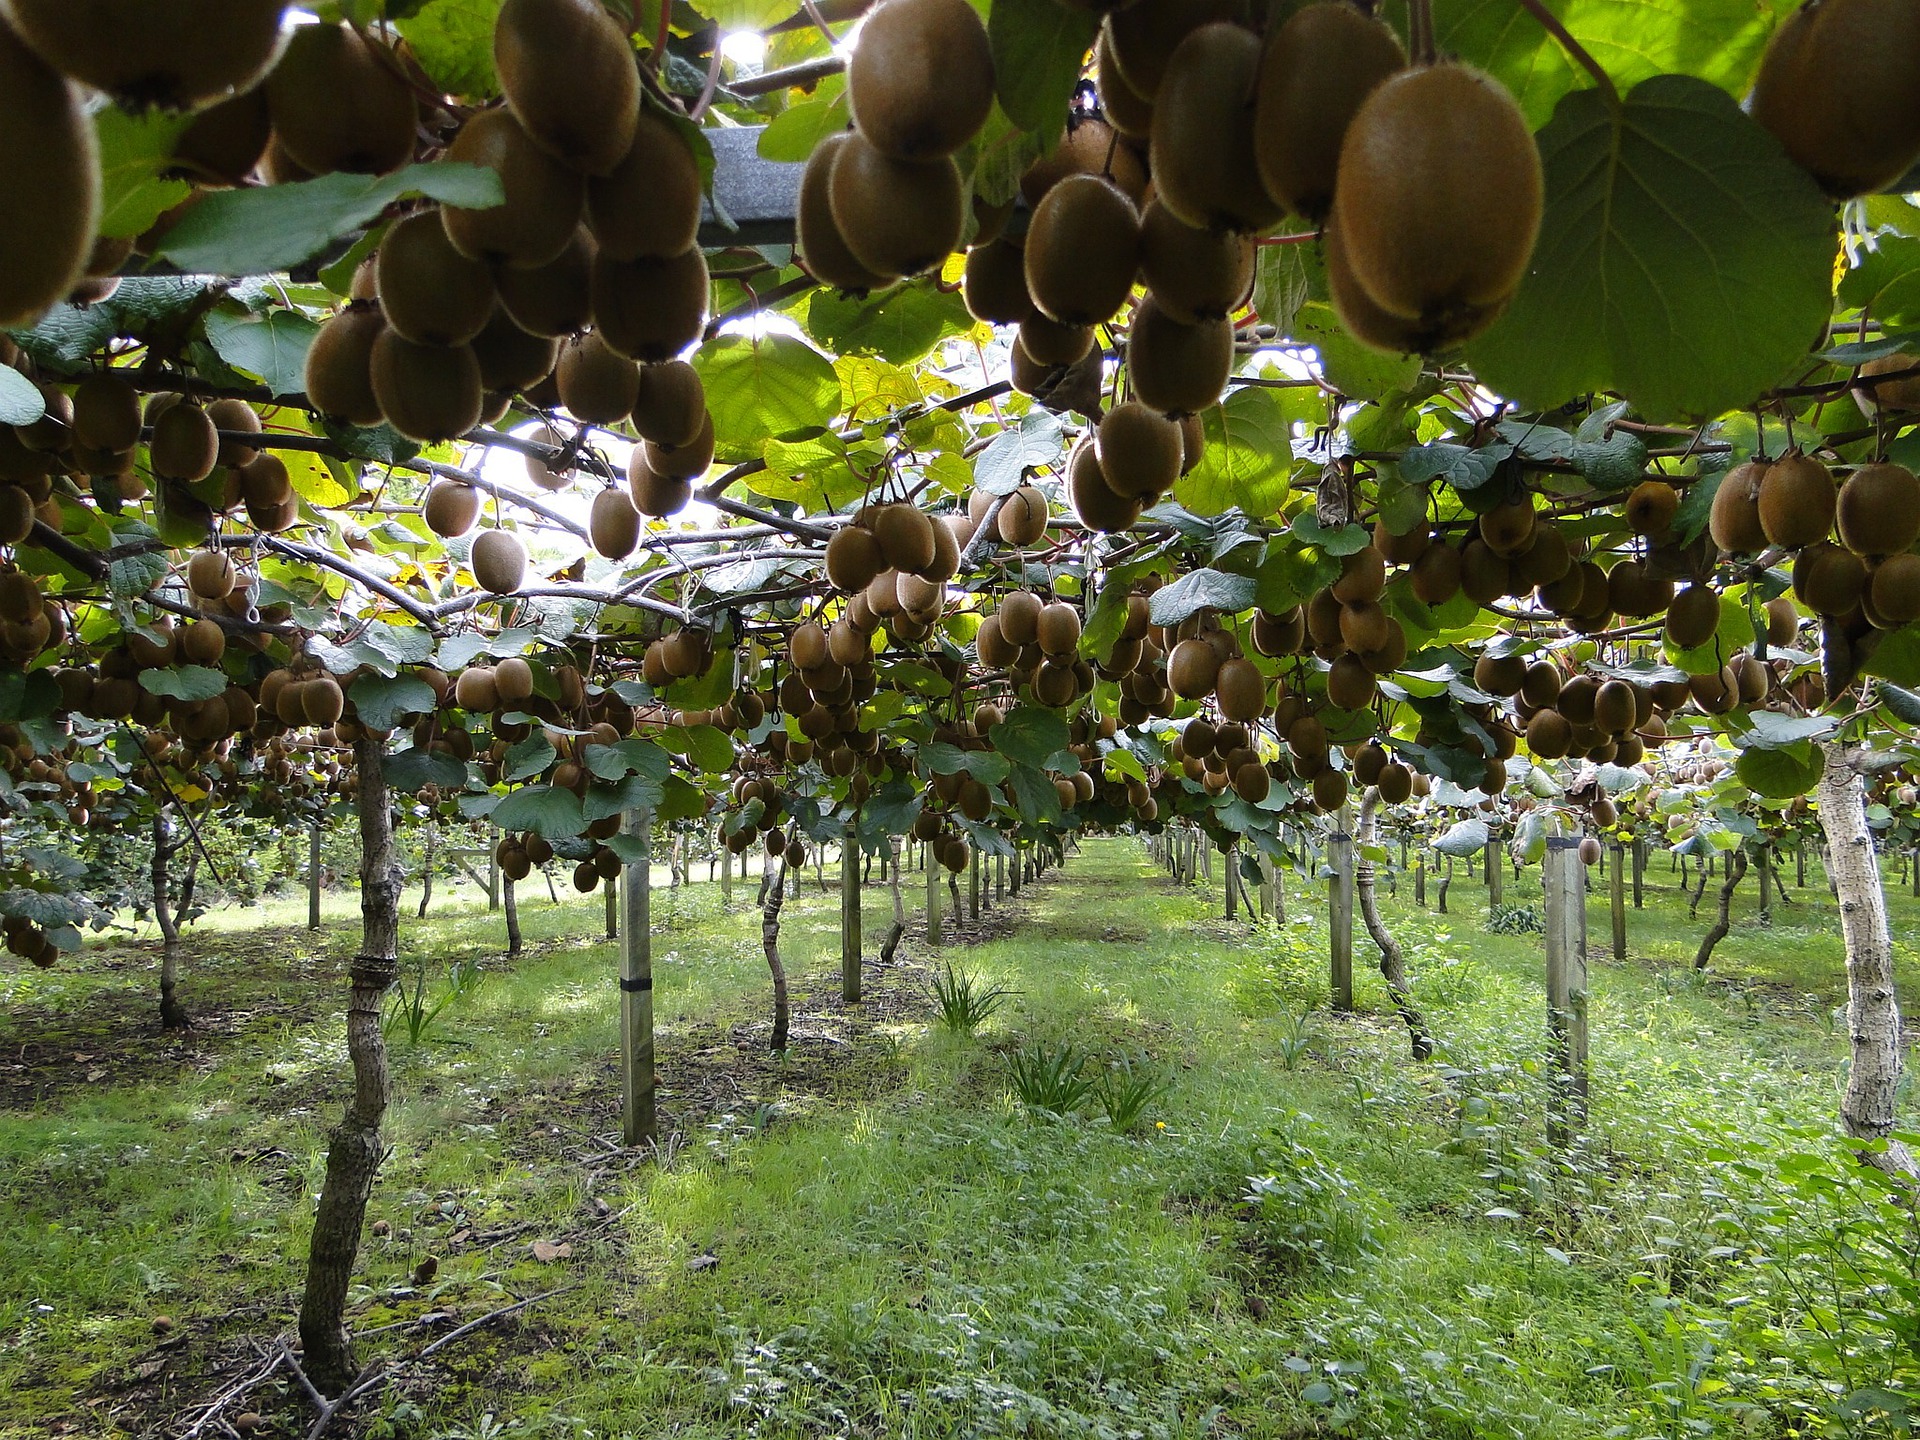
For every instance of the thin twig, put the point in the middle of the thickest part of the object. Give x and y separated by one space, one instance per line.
473 1325
1578 52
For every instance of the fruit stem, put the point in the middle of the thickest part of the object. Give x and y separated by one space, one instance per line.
1578 52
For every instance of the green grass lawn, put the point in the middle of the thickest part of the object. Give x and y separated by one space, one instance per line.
874 1236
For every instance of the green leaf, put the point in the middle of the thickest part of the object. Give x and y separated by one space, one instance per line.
135 151
278 227
772 388
1204 589
21 402
25 696
1038 48
987 767
1683 262
550 813
381 701
633 793
1283 281
706 745
274 348
412 770
899 325
616 762
1779 774
453 41
1033 441
135 575
1029 734
184 682
681 799
995 159
1347 540
529 758
1033 792
1355 370
1461 467
1248 462
792 134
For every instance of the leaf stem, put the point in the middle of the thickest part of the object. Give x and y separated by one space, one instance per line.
1578 52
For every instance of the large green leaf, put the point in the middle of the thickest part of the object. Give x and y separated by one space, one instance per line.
1355 370
1248 461
21 402
453 41
1779 774
274 348
135 151
551 813
772 388
899 325
1029 735
1038 47
1684 260
186 682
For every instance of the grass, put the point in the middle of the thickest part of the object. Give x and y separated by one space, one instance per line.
1297 1232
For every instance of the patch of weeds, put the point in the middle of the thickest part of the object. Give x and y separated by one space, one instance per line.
965 1002
1298 1041
1515 920
1124 1092
1050 1079
412 1014
1303 1212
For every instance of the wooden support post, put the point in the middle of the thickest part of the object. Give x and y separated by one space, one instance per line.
999 878
1639 871
726 878
849 915
1491 865
1340 915
1420 880
612 887
1228 869
1763 861
313 875
1566 918
1618 885
934 869
973 884
493 869
637 1121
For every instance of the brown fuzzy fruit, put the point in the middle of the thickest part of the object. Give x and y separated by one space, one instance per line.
1193 668
1796 501
1194 275
613 525
1829 580
341 103
554 299
896 217
1735 519
1203 151
1140 451
1058 629
106 411
854 558
650 309
1895 589
597 384
1651 507
1316 72
339 365
1240 690
994 284
672 405
430 292
1879 510
905 536
1023 519
650 203
1095 501
1082 250
544 198
920 80
1836 89
430 393
451 508
50 167
146 55
499 561
653 493
684 462
571 78
184 444
1174 368
1693 617
823 250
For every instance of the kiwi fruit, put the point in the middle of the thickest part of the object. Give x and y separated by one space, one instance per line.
948 531
1400 549
224 142
854 559
1836 89
920 79
994 283
1124 107
1058 628
597 384
1829 580
1435 576
896 217
1051 343
553 299
1796 501
1315 73
451 508
499 561
1651 507
48 153
653 493
234 417
1895 589
184 445
1192 669
1194 275
1879 510
1082 249
613 525
341 103
1614 709
1438 198
1692 617
430 293
1240 690
543 198
650 309
1507 527
1202 150
1549 735
823 250
671 408
146 55
210 574
106 411
1368 323
570 78
1095 501
429 393
510 358
683 462
1090 147
1140 451
904 534
1734 521
1142 37
1023 518
649 204
1175 368
1901 395
1636 591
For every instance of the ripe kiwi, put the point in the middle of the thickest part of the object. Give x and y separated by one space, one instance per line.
235 417
1142 37
1082 249
341 103
543 198
1901 395
1125 108
920 80
512 359
1636 591
1315 73
429 393
1796 501
210 574
1240 690
1202 158
905 536
854 558
1023 519
653 493
897 217
552 299
451 507
1019 614
1058 629
1374 326
684 462
1836 89
1438 199
570 77
50 169
1651 507
1895 589
1829 580
650 203
947 533
1734 521
823 250
265 483
1140 451
597 384
1879 510
650 309
1095 501
1693 617
613 525
1363 576
1614 709
1049 342
1400 549
145 55
499 561
1192 669
1194 275
1508 527
1549 735
224 143
1090 147
1175 368
1435 576
1330 789
994 284
671 408
184 445
106 411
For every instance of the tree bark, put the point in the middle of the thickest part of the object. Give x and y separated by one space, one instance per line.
770 942
313 875
355 1149
426 873
1736 870
512 908
1393 962
172 1015
1873 1011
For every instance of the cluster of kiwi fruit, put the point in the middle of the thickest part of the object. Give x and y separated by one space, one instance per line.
975 799
1576 714
892 562
832 673
1037 644
1128 461
520 854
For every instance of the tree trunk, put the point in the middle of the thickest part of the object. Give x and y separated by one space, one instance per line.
1440 890
1393 963
355 1150
1736 869
639 1111
172 1016
513 914
899 927
1873 1011
850 915
1693 906
770 942
426 872
313 875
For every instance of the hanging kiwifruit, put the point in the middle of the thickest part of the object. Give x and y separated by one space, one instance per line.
1693 617
1895 589
1192 668
50 170
920 80
1023 518
1438 199
597 384
1836 89
224 142
1435 576
1828 579
1901 394
451 507
265 483
543 198
510 358
994 284
1549 735
653 493
1508 527
1734 521
429 393
1796 501
1175 368
1194 275
106 411
147 55
1240 690
1057 631
671 408
1879 510
1651 507
1373 326
684 462
1019 616
1142 37
854 558
499 561
613 526
897 217
1614 708
234 417
1202 159
651 309
823 250
1049 343
905 536
1124 107
430 293
1095 501
1636 591
1315 73
1140 451
649 204
184 445
1090 147
570 77
552 299
341 103
1082 249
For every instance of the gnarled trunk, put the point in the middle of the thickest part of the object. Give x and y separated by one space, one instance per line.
512 907
770 942
1736 870
172 1015
1873 1011
355 1149
1393 962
